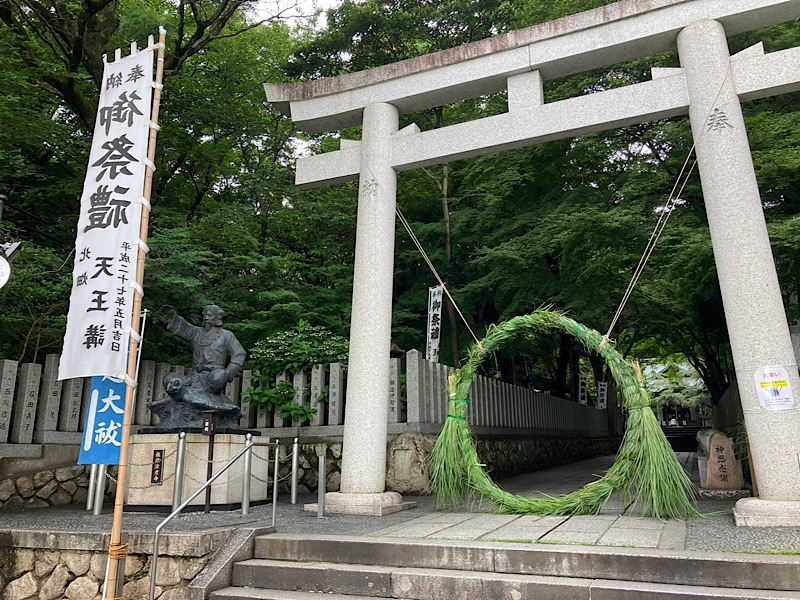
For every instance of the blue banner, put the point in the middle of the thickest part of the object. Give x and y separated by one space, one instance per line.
102 435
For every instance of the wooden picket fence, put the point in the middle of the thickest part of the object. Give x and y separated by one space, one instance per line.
36 408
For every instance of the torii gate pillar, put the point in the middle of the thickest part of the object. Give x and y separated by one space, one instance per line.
364 445
748 281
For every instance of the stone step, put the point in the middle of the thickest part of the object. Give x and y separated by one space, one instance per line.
710 569
298 580
245 593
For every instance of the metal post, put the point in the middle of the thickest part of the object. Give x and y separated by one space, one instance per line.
295 468
321 485
275 475
92 484
209 429
176 512
180 466
99 490
246 469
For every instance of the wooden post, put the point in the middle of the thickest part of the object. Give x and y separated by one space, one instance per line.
117 550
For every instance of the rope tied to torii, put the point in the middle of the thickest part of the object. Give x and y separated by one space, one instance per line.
664 215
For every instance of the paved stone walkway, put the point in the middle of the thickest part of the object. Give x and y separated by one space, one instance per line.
617 525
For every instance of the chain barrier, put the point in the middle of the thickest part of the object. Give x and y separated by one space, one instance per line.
148 486
147 464
204 459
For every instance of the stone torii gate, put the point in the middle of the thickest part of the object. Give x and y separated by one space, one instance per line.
709 86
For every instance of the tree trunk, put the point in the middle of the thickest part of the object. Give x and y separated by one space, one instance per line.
445 184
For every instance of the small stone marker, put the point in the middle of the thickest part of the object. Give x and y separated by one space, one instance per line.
27 398
71 414
300 382
279 421
86 398
47 415
414 385
145 391
335 412
317 388
158 388
8 379
724 471
248 410
720 472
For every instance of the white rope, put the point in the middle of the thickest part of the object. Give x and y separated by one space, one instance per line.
435 273
425 257
663 217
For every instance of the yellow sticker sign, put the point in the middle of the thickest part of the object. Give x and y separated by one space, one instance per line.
774 389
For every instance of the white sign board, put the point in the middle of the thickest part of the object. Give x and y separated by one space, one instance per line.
602 394
434 322
106 247
583 389
5 271
773 388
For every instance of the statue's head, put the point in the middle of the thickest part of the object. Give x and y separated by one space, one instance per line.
213 316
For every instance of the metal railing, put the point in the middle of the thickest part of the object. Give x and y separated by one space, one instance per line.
246 452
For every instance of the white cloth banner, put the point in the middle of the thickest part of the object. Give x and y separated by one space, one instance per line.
602 394
106 247
583 389
434 322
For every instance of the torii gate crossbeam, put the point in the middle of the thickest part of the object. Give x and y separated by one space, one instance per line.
710 83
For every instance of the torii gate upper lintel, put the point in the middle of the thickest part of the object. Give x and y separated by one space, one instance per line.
709 80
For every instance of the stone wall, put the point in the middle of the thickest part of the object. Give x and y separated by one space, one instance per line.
50 487
407 455
505 457
64 566
307 476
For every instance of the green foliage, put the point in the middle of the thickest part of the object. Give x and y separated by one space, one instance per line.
33 304
297 349
292 351
279 395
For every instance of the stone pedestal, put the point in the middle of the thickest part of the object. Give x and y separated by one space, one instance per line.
376 505
751 294
226 492
758 512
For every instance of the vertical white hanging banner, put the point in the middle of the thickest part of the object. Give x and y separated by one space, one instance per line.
602 394
106 246
434 322
583 389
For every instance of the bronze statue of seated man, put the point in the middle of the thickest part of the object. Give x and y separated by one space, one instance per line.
202 390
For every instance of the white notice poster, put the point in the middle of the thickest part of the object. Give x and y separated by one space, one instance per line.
774 389
106 246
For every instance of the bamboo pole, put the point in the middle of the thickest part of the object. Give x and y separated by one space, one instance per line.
118 551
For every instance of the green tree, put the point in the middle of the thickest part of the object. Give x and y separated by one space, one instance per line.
34 303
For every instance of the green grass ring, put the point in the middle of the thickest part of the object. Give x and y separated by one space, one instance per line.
646 471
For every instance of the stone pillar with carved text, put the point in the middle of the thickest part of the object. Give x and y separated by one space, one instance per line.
365 425
766 368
